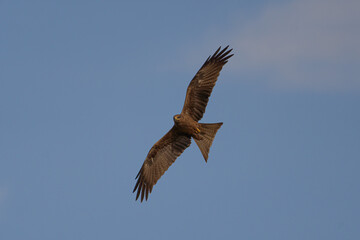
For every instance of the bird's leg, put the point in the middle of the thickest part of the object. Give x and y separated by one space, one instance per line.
197 135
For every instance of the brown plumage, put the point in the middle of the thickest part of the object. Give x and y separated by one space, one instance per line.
186 126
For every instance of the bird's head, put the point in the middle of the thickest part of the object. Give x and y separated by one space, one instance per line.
177 118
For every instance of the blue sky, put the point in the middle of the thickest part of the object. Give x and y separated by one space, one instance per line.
87 87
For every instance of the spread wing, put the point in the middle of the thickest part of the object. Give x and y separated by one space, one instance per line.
201 86
158 160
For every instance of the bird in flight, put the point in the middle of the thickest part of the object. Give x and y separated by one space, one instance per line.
186 126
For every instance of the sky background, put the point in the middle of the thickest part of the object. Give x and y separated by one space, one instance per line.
87 87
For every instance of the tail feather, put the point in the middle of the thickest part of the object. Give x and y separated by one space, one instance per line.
207 132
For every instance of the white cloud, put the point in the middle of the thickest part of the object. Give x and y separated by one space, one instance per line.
311 44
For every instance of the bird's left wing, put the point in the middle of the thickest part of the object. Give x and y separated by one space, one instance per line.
158 160
201 86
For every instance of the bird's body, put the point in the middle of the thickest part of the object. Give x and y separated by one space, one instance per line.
186 126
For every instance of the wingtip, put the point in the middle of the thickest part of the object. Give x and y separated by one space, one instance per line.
216 51
142 193
220 55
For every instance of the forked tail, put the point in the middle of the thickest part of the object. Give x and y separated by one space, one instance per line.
207 132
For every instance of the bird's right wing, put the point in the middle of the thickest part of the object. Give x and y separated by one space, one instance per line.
158 160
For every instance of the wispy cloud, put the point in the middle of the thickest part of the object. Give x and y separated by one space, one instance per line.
311 44
299 44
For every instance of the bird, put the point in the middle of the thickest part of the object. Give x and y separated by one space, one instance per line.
186 126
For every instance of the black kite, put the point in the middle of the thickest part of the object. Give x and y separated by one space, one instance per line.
186 126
